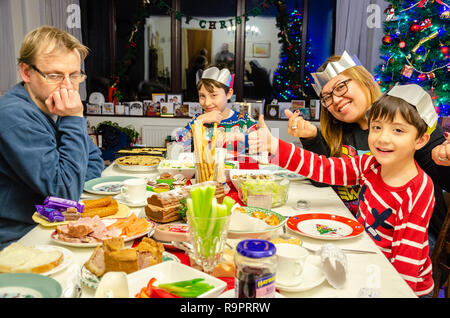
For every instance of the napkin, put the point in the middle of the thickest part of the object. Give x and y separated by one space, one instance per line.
334 265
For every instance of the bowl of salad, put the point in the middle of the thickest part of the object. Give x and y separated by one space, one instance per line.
275 187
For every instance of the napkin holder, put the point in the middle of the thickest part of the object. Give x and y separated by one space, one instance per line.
334 265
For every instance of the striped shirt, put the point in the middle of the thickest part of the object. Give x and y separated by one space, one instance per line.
396 218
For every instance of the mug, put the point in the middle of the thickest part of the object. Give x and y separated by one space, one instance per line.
134 190
291 260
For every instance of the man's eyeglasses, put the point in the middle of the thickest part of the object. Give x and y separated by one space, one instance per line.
338 91
51 78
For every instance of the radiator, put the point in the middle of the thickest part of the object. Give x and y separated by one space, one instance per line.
155 136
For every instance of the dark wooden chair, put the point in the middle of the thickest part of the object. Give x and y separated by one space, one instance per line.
440 257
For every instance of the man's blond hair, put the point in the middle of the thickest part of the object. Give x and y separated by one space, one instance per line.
47 36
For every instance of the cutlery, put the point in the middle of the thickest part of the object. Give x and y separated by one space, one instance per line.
73 290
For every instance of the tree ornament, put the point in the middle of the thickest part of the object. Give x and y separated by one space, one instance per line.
292 68
407 71
415 27
444 50
402 44
431 75
425 24
445 14
422 77
387 39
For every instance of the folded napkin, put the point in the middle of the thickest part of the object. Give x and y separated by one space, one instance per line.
334 265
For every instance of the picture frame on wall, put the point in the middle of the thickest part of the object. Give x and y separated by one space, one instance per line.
261 49
159 97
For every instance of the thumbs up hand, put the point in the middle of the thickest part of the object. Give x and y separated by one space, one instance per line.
262 140
298 127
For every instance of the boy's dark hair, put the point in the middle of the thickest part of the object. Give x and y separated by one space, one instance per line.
210 84
386 107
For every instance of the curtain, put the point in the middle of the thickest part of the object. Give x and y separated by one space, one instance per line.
7 55
359 29
20 17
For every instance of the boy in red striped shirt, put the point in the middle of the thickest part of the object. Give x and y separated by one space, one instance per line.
396 199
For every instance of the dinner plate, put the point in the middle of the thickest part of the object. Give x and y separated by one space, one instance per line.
91 280
123 212
325 226
107 222
25 285
68 257
230 294
312 276
138 168
106 185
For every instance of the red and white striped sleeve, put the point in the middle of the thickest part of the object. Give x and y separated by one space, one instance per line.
343 171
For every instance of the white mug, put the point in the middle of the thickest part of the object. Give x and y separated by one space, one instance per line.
134 190
291 260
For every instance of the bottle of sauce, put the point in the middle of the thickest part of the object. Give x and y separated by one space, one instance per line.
256 264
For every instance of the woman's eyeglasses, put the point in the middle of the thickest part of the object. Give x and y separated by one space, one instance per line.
75 78
338 91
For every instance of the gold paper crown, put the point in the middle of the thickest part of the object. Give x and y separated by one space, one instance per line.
419 98
332 70
222 76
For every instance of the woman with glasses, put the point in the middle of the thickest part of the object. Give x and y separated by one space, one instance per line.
44 146
346 94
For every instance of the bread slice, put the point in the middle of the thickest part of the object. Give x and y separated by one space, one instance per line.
18 258
125 260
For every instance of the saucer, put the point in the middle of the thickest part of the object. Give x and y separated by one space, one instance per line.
312 276
122 200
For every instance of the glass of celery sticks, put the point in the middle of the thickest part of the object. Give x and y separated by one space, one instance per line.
208 225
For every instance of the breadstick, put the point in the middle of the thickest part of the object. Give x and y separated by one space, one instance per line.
97 203
111 209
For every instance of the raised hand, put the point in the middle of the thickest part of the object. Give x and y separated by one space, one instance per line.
214 116
261 140
441 153
65 101
298 127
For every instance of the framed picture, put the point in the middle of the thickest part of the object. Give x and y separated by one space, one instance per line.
149 109
256 107
159 97
272 111
166 109
194 109
297 104
108 108
283 107
93 109
261 49
136 109
305 113
315 109
176 99
181 110
120 109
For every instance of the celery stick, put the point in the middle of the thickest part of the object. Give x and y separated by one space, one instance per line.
229 202
196 198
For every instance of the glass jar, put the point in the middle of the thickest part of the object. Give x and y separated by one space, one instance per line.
256 264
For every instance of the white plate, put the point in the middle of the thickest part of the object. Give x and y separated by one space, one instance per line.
121 199
169 272
136 167
230 294
68 257
91 280
312 276
107 222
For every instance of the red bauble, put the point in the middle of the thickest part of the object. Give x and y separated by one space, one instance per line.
402 44
422 77
444 50
387 39
415 27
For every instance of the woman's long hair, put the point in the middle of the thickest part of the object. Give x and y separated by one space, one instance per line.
331 128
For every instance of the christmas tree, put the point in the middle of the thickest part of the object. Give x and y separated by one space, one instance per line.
415 48
287 82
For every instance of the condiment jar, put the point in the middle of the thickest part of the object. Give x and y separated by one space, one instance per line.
256 264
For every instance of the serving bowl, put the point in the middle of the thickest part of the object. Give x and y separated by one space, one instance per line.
186 168
258 187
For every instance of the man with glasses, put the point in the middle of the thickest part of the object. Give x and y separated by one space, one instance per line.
44 146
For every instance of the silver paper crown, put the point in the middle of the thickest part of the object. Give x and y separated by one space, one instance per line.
332 70
419 98
222 76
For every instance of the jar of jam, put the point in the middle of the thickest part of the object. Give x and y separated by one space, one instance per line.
256 264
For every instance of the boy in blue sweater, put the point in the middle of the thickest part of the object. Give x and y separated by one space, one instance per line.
44 146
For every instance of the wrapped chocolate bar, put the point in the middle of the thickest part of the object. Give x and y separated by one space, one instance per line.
52 215
334 265
62 204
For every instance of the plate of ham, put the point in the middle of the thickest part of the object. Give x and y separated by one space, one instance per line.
90 232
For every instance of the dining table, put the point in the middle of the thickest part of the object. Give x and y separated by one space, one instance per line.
367 274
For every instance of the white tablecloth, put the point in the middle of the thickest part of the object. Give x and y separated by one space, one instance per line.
321 200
